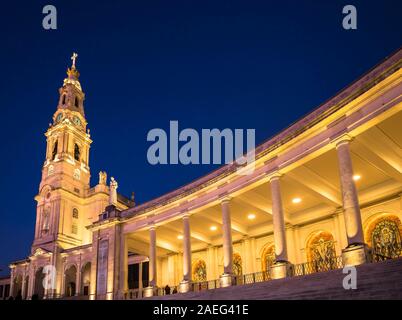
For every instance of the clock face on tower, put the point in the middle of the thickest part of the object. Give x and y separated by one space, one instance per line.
76 121
59 117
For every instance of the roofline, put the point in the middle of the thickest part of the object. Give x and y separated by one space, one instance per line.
20 261
380 71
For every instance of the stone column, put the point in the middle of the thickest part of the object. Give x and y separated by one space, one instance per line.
31 281
148 292
356 252
63 282
78 281
226 278
281 268
12 282
23 289
140 284
94 266
186 283
297 244
123 272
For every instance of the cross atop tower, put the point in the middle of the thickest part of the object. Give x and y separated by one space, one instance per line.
74 57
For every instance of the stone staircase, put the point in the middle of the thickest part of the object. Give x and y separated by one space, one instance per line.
382 280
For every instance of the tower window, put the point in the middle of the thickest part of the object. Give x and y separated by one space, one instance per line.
75 213
54 150
74 229
76 102
77 152
64 99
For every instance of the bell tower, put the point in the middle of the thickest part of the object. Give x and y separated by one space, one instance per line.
68 142
65 174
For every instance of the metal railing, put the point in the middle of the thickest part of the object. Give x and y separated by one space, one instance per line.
305 268
166 291
132 294
205 285
383 253
300 269
251 278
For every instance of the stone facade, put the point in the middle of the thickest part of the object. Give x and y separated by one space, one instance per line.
328 187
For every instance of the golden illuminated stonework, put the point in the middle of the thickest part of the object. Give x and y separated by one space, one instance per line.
310 212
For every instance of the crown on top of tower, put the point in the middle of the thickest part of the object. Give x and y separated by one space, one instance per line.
73 74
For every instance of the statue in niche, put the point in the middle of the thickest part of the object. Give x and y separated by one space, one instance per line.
113 191
102 178
46 215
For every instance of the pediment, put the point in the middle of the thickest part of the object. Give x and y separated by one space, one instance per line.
40 252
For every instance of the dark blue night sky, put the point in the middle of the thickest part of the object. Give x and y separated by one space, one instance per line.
207 64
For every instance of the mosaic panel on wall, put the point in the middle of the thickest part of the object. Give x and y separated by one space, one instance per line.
237 265
321 252
200 271
385 238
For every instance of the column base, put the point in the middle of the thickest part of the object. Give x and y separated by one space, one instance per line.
184 286
281 269
225 280
148 292
355 255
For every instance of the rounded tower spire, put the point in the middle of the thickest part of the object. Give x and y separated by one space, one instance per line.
73 73
71 95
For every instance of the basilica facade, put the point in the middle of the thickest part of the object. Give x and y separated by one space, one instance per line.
324 193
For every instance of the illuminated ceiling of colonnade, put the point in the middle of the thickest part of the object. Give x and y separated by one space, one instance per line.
309 192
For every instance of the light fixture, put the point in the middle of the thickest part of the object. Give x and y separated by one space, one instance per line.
356 177
213 228
180 237
251 216
296 200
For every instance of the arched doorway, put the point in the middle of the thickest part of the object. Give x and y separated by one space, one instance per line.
268 257
86 278
384 237
39 289
17 287
321 252
199 271
70 277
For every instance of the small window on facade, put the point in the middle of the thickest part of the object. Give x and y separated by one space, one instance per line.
75 213
76 102
74 229
77 152
54 151
64 99
50 170
77 174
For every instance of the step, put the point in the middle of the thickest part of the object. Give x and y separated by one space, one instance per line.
381 280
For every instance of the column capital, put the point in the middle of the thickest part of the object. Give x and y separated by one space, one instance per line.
225 199
186 214
274 175
288 226
151 226
337 212
344 138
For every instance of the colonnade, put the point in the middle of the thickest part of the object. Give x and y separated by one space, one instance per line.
355 253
